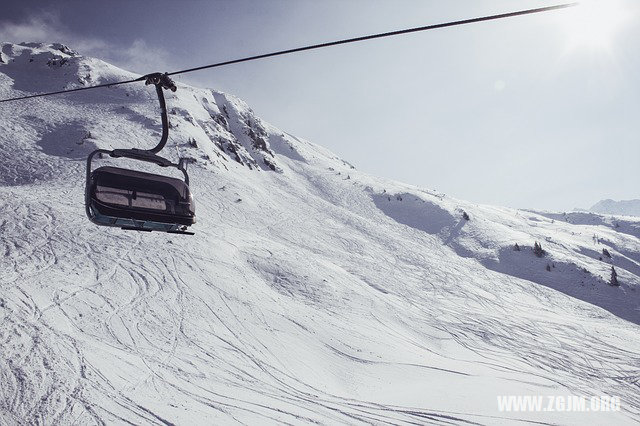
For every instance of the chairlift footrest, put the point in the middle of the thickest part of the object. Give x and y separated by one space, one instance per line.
133 228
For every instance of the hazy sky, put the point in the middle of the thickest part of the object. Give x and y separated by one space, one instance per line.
538 111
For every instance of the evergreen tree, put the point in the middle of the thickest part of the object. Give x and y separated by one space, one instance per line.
614 277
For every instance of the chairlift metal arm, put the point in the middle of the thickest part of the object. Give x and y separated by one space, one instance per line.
161 81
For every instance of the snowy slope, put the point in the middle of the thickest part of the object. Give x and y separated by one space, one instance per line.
623 207
311 292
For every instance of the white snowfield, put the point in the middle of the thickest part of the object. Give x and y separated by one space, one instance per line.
311 292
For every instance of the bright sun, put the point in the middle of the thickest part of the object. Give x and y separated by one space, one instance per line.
593 23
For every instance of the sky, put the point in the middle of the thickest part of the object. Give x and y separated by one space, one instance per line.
539 111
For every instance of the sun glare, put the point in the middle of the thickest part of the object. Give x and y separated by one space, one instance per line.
594 23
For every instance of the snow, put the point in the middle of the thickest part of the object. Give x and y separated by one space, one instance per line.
311 292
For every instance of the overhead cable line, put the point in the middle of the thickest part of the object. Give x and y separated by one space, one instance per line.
73 90
319 46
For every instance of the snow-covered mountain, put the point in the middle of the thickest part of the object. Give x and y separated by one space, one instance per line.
311 292
621 208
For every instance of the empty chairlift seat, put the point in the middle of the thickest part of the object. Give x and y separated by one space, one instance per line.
132 199
139 200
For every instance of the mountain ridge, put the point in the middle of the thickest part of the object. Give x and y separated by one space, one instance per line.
621 208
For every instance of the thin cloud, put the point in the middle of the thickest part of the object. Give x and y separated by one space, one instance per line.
142 58
46 27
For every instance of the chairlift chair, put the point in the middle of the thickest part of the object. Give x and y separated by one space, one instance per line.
136 200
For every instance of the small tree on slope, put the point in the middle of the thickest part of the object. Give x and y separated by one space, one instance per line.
614 277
